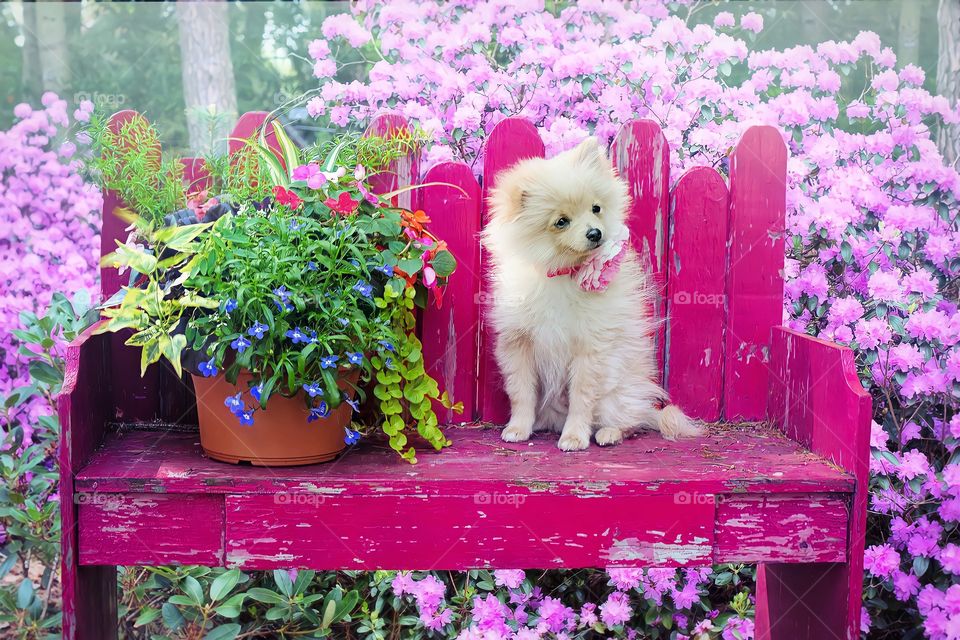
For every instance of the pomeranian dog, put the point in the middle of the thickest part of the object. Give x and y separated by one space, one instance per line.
571 305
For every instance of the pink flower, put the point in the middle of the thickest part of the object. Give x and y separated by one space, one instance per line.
881 560
752 22
510 578
616 610
724 19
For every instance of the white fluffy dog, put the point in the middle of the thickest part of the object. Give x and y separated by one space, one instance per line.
571 305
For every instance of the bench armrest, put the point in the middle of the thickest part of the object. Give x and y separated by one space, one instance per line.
815 398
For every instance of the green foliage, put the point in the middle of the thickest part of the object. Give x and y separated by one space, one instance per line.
129 162
374 153
29 508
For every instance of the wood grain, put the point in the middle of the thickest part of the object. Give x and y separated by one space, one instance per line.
695 300
758 169
450 333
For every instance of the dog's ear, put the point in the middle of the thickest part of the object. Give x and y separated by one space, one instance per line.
590 152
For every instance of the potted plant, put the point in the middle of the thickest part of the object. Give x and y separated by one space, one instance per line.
283 296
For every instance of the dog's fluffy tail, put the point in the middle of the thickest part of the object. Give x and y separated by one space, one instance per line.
674 423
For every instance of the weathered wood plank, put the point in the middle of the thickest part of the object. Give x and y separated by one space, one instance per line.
89 593
150 529
248 127
696 302
403 171
728 460
450 333
758 170
512 140
816 398
487 529
642 157
782 528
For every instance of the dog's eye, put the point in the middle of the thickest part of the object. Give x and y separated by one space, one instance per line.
561 223
596 208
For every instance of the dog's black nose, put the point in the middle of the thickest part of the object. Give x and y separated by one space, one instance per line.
594 235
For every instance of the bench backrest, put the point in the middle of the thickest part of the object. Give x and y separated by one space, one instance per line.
715 247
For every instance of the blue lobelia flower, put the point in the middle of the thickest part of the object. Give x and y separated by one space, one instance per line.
363 288
313 389
257 330
283 306
297 335
256 390
386 345
350 401
355 358
311 266
351 437
386 270
246 418
282 293
240 344
320 411
295 225
208 368
343 321
329 362
234 404
229 305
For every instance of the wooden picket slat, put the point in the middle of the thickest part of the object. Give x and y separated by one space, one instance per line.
195 175
642 157
403 171
695 298
758 169
247 127
450 333
512 140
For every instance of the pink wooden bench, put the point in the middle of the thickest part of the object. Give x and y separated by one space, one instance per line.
780 480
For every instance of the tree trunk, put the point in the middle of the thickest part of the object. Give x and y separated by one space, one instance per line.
30 54
948 74
52 46
908 36
208 83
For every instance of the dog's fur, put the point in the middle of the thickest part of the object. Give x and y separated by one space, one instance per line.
579 362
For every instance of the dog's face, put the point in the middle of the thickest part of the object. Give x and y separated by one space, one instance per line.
559 210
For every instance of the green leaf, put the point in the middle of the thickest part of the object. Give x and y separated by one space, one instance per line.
147 615
586 84
172 616
25 594
224 584
179 238
44 373
443 263
223 632
192 588
291 155
265 596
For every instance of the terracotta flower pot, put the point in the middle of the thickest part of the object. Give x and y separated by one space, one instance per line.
280 434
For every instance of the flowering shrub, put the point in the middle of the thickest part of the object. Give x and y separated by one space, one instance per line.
873 221
49 235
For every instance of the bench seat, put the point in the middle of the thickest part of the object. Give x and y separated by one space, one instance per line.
743 493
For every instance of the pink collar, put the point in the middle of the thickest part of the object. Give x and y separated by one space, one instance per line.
596 272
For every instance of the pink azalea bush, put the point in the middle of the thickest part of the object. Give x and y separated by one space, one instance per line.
49 230
874 229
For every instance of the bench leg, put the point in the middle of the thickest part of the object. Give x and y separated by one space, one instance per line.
89 603
808 602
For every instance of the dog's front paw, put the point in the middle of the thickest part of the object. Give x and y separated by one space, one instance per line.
515 433
576 441
608 436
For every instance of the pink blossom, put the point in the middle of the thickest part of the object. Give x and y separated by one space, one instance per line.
752 22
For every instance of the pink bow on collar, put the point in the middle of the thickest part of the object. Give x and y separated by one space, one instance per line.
596 272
